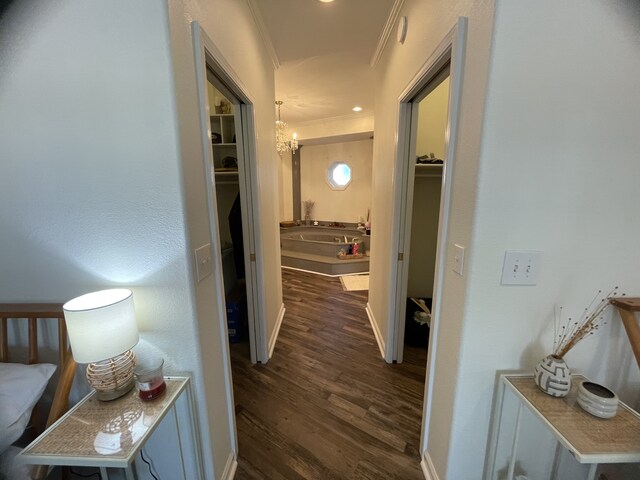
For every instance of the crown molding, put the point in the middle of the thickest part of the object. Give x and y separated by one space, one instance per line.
325 120
264 32
394 13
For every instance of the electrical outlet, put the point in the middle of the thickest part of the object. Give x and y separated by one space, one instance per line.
520 267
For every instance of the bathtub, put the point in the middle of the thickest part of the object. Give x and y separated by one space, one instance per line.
316 249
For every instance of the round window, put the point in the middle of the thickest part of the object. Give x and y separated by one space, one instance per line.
339 175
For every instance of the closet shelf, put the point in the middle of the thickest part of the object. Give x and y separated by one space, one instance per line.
429 170
226 175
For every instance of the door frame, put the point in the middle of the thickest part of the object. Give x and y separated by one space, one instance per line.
410 109
451 50
208 55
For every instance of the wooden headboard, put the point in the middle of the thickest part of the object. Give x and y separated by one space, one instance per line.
31 312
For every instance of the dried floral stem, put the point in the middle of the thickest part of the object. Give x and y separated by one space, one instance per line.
308 207
557 317
590 321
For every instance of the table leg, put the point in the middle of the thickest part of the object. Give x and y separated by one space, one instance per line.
556 461
490 473
175 417
185 423
592 471
130 472
514 448
103 473
195 434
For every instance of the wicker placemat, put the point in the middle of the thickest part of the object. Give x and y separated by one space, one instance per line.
98 428
589 435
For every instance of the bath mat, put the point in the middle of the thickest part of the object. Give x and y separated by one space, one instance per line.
352 283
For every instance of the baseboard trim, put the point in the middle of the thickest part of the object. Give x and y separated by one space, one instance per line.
323 274
428 469
276 331
376 330
230 467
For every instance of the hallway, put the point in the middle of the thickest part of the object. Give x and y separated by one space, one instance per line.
326 406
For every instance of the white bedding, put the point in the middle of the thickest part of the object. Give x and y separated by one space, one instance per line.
21 386
10 469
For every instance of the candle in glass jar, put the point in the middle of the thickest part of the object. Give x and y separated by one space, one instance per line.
149 378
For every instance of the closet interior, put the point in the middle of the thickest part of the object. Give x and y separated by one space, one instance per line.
430 144
227 188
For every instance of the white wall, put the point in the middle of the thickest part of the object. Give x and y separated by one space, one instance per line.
430 138
104 178
559 173
429 22
230 26
424 236
556 172
91 194
286 187
432 121
346 205
331 127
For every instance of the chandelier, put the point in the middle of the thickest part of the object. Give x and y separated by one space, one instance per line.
283 144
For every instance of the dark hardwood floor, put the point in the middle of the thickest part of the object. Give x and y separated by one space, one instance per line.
327 406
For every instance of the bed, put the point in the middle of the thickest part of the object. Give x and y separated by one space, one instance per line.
23 379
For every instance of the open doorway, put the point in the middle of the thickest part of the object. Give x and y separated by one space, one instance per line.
430 111
225 138
442 70
425 164
229 147
327 183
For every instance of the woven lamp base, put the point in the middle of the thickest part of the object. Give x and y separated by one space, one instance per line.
112 378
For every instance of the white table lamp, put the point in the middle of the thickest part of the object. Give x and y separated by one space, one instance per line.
102 331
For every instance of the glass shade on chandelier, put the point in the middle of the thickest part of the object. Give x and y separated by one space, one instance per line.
102 331
283 143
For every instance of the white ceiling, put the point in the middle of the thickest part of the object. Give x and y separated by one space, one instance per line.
324 51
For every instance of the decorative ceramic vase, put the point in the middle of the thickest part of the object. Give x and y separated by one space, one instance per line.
553 377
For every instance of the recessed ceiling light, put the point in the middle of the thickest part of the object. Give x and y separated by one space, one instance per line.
357 109
325 1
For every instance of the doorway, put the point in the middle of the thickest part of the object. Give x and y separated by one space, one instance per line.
229 147
447 60
425 166
225 140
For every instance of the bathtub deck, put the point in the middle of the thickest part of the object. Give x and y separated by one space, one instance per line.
323 264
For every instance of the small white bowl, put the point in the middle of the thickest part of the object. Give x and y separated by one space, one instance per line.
597 400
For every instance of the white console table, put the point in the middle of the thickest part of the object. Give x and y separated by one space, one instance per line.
111 434
589 439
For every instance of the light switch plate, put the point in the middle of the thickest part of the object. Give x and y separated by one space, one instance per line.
204 262
520 267
458 259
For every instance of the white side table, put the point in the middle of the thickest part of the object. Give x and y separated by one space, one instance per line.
589 439
111 434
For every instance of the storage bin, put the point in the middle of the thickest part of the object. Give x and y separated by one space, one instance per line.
237 314
415 334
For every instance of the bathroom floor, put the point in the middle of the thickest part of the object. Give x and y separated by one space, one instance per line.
327 406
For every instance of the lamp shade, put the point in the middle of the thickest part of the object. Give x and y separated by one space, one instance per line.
101 325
